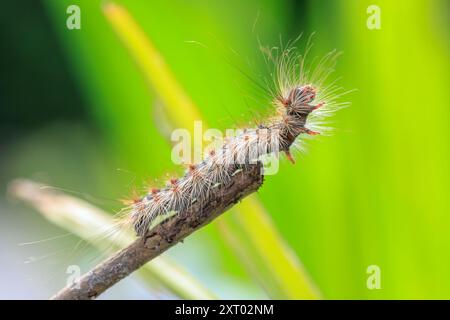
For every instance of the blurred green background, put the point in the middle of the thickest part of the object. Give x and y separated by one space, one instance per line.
76 113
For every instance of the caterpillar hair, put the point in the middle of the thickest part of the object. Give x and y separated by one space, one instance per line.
301 104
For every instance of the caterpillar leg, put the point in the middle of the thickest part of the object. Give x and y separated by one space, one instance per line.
289 156
317 106
310 132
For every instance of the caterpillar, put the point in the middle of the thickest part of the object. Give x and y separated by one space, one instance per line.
301 104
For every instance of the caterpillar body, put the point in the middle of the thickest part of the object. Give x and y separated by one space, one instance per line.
301 102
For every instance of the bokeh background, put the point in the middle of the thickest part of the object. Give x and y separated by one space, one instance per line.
76 113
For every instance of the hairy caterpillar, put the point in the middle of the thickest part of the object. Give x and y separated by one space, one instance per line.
301 103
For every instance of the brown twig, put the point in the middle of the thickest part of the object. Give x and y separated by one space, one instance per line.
163 236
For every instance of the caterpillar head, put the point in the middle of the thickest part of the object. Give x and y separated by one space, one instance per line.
299 103
300 99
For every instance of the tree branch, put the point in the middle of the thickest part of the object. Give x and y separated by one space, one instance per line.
164 236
